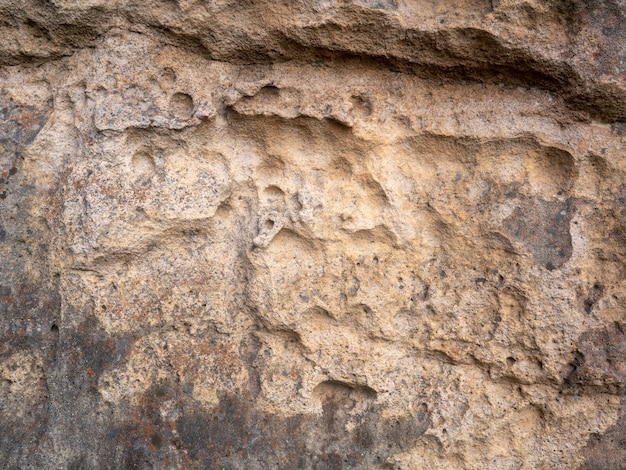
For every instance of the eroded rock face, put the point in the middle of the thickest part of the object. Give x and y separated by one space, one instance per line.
312 234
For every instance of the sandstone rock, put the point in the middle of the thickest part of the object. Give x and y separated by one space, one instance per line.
312 234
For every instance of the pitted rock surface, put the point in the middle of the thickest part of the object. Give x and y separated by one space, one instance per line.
313 234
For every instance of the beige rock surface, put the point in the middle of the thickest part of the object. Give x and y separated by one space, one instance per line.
313 234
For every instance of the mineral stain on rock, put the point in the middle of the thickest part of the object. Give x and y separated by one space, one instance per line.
600 361
351 433
543 227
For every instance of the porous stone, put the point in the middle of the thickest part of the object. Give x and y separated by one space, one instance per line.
313 234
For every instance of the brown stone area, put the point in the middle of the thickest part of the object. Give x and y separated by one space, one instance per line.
314 234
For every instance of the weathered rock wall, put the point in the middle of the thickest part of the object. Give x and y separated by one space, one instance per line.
313 234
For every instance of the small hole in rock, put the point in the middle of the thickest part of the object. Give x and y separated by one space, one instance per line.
181 106
268 91
143 164
156 439
54 328
168 76
510 361
269 224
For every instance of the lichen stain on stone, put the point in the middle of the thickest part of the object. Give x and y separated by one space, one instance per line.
21 124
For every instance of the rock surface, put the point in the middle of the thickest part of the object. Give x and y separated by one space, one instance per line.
313 234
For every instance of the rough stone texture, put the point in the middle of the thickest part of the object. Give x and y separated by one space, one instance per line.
313 234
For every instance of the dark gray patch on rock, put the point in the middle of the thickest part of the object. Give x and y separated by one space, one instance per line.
543 227
599 364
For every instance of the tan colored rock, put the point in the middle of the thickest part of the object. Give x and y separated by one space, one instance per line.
312 234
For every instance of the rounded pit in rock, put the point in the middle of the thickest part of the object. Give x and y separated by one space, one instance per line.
143 164
181 106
